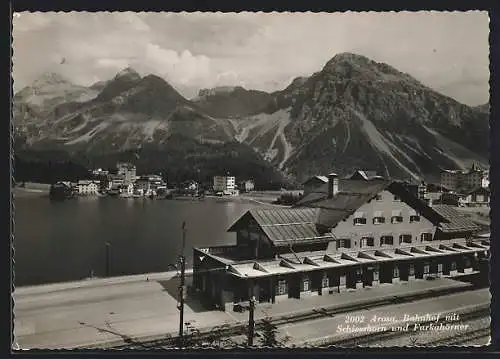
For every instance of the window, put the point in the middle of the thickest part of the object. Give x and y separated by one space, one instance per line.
426 237
395 272
386 240
325 283
359 221
414 218
367 242
378 197
378 220
411 270
467 262
282 287
344 243
358 275
440 267
397 219
427 268
405 238
453 266
305 284
396 198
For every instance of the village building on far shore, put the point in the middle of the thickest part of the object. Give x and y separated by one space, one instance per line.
225 184
314 183
88 187
364 175
458 180
149 185
344 235
478 197
246 186
126 171
100 172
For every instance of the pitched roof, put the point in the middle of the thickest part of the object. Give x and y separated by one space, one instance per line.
353 194
323 179
454 220
366 175
286 226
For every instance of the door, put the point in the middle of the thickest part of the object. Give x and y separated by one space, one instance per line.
367 276
419 270
386 272
404 271
350 278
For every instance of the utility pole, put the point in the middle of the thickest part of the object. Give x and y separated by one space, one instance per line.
251 322
108 259
182 263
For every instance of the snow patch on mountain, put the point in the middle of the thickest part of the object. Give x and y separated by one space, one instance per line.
89 135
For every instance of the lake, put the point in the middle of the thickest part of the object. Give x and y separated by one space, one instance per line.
64 241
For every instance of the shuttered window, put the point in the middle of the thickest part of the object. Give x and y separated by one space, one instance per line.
386 240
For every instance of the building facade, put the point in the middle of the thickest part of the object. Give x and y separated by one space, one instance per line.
246 186
345 235
314 183
455 180
479 197
224 184
127 171
86 187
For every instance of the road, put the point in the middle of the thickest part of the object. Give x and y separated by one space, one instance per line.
105 312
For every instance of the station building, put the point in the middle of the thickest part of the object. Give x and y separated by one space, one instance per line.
344 235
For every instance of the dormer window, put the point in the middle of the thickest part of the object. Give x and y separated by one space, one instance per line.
359 219
414 216
397 198
426 237
378 197
397 217
378 217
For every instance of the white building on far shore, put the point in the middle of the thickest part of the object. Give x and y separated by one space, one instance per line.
226 184
87 187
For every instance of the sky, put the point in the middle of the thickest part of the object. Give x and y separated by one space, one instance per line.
448 51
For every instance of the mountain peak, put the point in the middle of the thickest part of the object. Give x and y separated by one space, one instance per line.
128 72
349 56
348 60
50 78
349 65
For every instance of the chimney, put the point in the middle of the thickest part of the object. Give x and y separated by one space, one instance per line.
333 185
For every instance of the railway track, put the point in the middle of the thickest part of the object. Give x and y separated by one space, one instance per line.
242 328
468 338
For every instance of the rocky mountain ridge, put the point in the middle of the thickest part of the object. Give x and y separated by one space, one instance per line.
356 113
353 113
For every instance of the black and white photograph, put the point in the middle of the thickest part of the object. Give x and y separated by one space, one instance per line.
209 180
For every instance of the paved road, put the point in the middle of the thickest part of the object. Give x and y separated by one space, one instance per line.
88 315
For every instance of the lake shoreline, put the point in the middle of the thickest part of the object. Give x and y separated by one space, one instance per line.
262 198
145 235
